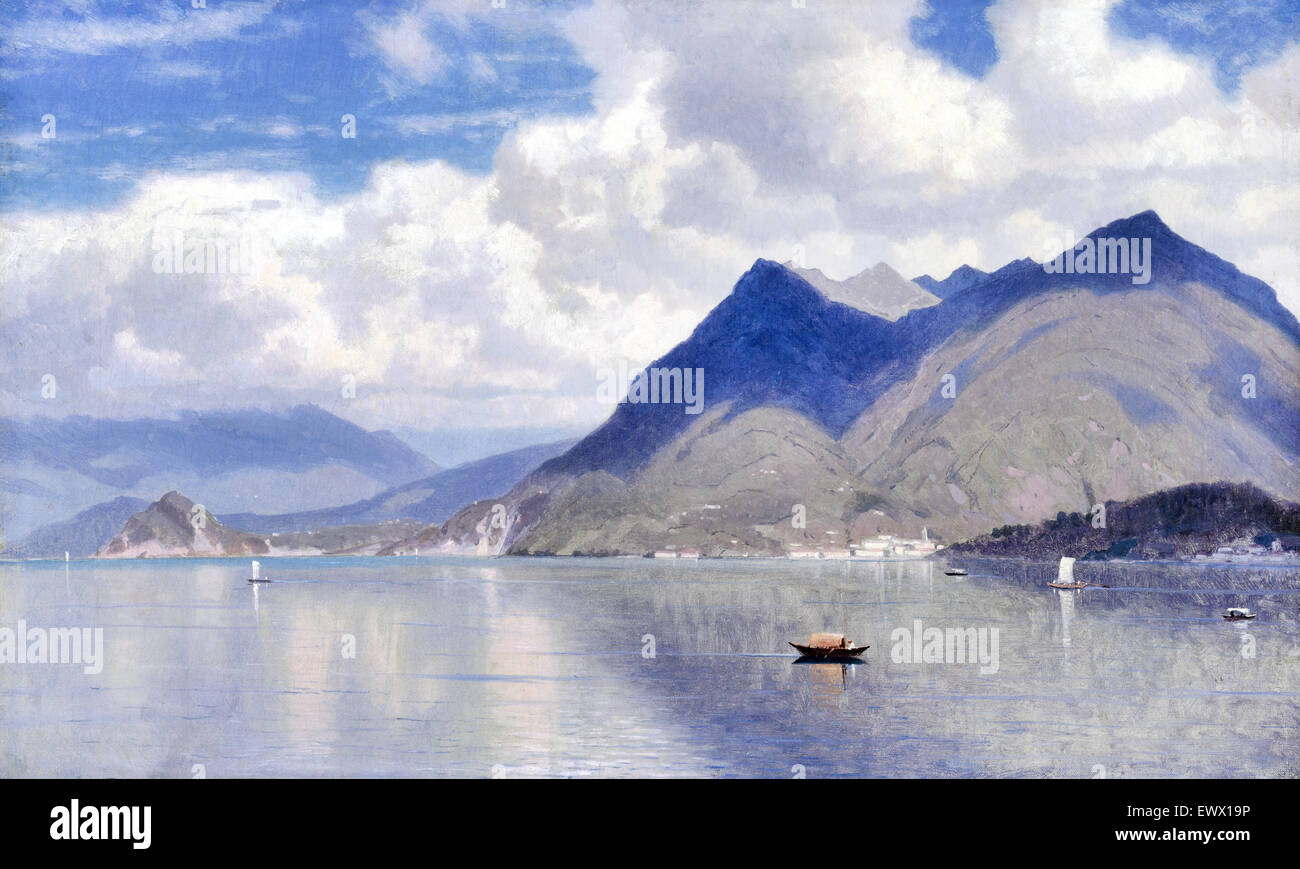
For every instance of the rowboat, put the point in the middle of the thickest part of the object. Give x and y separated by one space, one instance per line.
1236 614
955 571
829 647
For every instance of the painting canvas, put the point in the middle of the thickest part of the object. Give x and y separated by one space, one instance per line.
622 389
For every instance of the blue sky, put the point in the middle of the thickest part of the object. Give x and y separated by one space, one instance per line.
268 94
139 86
1235 35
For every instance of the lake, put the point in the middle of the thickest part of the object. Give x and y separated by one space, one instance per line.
417 667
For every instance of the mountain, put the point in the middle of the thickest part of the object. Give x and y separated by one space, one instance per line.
879 291
176 527
431 499
242 460
452 447
82 535
963 277
1023 395
1069 399
774 341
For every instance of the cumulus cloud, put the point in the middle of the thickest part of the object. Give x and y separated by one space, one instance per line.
721 132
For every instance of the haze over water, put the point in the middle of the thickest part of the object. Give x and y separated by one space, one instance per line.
535 667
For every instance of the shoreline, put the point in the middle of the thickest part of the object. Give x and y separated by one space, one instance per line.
1244 561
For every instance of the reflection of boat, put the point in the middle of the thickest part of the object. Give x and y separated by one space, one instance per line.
1237 614
256 571
1065 575
829 647
1067 616
829 678
955 571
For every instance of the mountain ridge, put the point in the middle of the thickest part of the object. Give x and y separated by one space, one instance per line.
176 527
855 360
299 458
435 497
879 290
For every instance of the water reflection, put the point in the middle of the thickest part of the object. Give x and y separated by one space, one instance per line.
538 667
1067 614
829 682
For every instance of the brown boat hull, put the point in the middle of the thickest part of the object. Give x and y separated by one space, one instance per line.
1067 585
1237 618
814 652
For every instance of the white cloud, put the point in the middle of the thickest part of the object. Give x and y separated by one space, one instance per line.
721 132
182 69
431 125
404 45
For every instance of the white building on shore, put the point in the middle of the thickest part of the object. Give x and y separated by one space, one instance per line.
889 546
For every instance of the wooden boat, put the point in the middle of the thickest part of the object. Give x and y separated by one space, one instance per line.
1065 575
955 571
1237 614
829 647
256 577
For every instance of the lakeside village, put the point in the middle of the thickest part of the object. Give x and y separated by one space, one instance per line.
885 546
1282 550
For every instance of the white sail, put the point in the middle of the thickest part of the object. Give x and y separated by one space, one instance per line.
256 567
1066 573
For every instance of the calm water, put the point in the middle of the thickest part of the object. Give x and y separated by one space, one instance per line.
535 667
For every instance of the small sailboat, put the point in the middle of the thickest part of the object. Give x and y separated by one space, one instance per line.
256 577
1237 614
1065 575
829 647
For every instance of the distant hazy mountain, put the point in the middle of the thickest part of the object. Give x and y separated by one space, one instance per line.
240 460
431 499
880 291
964 277
1020 396
82 535
453 447
176 527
